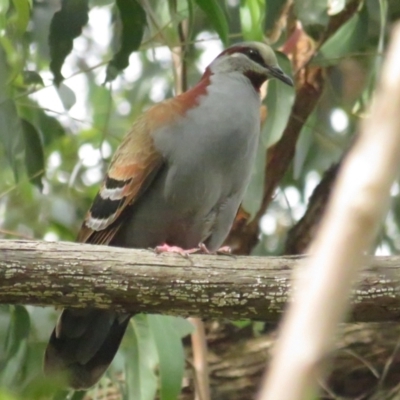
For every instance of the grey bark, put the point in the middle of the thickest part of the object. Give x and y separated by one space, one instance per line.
208 286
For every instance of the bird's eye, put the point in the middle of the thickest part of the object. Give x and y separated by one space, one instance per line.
255 56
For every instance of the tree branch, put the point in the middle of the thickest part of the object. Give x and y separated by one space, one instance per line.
209 286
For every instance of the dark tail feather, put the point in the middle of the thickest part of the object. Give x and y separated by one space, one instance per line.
83 344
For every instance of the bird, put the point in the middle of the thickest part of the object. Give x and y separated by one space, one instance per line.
175 183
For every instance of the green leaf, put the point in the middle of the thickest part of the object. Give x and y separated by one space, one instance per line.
141 360
67 96
18 330
23 14
4 6
216 16
303 144
350 37
65 26
49 127
170 354
182 326
133 21
34 155
254 192
10 125
273 11
279 103
313 16
251 18
32 78
336 6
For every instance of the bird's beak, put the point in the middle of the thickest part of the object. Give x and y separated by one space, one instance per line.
277 73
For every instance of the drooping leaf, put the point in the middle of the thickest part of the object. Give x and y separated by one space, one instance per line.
34 155
65 26
133 22
254 192
170 354
303 145
18 330
49 127
279 103
216 16
251 18
350 37
141 361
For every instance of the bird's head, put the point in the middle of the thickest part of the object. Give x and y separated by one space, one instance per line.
257 61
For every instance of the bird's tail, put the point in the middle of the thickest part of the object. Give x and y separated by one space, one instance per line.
83 344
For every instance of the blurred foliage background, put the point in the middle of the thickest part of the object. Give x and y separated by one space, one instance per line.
74 74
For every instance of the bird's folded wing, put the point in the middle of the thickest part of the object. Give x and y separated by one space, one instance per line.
133 167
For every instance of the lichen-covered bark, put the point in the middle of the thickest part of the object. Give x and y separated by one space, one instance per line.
209 286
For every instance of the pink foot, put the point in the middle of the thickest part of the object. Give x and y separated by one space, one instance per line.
202 249
165 248
224 250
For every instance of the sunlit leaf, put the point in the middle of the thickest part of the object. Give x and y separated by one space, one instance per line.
65 26
335 6
216 15
4 6
133 22
251 19
350 37
170 354
34 155
279 103
22 15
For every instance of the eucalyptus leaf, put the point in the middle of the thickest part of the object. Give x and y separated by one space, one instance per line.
350 37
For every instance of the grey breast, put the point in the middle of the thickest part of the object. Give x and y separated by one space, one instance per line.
209 155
